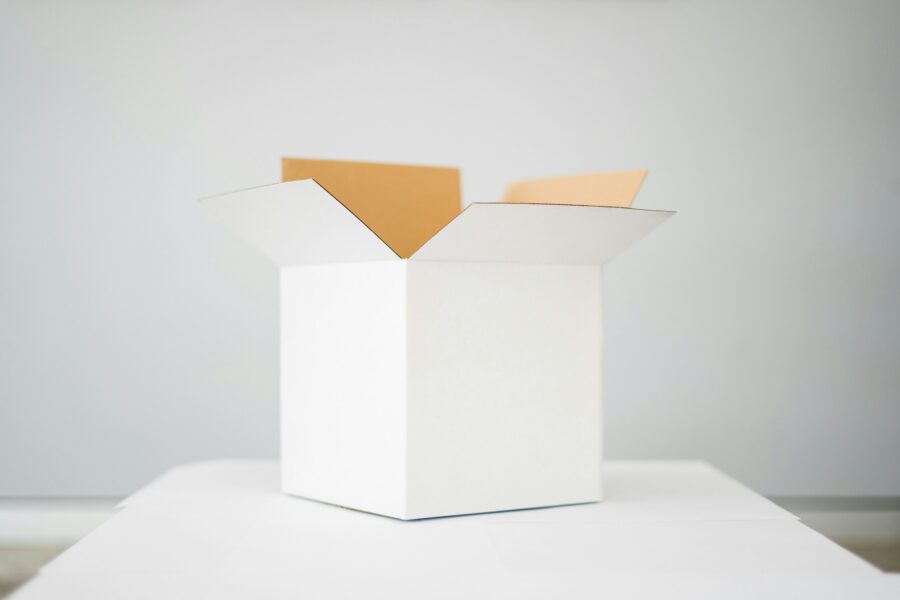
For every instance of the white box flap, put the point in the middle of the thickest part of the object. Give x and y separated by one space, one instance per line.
539 233
298 223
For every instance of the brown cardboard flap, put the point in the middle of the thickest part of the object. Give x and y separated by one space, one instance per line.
596 189
403 205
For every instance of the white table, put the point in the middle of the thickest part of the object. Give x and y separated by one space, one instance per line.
666 530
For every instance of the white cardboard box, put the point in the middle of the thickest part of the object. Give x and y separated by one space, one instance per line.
463 377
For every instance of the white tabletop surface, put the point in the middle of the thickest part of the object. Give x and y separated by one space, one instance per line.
665 530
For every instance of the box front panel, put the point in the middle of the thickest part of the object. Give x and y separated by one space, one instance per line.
343 384
504 366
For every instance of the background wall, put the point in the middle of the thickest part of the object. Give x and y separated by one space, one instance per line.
758 329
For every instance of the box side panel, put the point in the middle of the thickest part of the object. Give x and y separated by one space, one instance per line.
343 384
504 386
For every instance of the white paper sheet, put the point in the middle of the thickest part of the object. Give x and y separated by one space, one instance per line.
673 530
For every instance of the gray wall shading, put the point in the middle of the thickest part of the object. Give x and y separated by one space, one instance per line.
757 329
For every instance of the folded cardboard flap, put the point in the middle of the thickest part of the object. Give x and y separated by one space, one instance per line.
539 234
403 205
297 223
350 212
594 189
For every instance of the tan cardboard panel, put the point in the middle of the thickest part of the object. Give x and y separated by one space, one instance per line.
596 189
298 223
404 205
539 234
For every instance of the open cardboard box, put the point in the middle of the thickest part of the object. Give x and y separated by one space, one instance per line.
435 361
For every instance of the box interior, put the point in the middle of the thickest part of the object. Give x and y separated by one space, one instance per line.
406 205
339 212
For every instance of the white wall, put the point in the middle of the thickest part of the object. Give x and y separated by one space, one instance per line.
758 329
